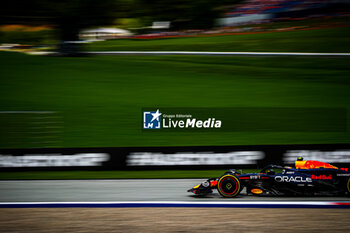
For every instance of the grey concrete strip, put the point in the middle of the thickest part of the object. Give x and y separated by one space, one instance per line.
120 190
220 53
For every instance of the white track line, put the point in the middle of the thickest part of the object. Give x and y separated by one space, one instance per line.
182 202
272 203
219 53
178 204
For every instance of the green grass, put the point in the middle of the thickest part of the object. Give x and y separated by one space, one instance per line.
320 40
99 99
166 174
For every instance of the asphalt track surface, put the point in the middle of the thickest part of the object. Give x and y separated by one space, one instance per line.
122 191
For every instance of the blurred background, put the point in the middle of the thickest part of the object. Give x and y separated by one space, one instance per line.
47 23
68 99
69 114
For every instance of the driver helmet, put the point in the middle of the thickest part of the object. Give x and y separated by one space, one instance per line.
300 158
270 172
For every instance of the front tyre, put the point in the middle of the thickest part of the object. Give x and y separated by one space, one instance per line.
229 186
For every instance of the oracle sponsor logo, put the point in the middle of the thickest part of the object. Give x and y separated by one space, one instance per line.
297 179
321 177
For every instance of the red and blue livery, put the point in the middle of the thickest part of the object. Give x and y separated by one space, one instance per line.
307 178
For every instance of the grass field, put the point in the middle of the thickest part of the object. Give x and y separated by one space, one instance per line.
318 40
97 100
100 98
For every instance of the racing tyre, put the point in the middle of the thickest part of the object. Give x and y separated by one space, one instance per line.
229 186
348 187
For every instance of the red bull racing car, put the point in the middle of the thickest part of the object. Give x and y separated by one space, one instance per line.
308 178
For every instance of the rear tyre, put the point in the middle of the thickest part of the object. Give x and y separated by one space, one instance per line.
348 187
229 186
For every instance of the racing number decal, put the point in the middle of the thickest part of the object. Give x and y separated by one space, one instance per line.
229 186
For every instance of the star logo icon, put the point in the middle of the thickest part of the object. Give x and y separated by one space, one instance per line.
151 119
156 115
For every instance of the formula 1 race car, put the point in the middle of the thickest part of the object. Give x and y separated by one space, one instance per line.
308 178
